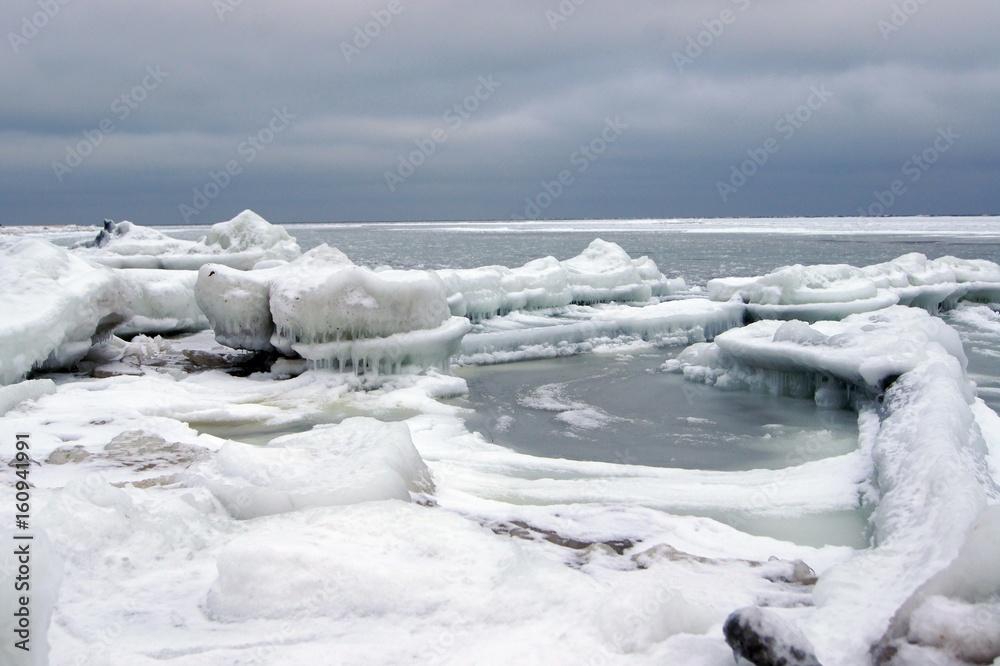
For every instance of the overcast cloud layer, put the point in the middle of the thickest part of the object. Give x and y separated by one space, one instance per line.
136 110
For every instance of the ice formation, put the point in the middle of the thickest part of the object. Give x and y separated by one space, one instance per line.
56 306
241 242
160 301
833 291
325 309
212 535
527 335
602 273
358 460
931 483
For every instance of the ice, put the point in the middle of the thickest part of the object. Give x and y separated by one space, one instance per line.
237 305
32 389
241 242
359 460
834 291
861 353
56 306
532 335
602 273
970 632
931 482
160 301
323 308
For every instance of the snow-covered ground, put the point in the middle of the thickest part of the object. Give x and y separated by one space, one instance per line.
220 495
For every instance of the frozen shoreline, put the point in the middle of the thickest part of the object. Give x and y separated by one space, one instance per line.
430 543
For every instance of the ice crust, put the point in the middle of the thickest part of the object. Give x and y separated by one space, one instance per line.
241 242
56 306
833 291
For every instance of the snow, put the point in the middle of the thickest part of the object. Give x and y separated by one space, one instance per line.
31 389
241 242
55 306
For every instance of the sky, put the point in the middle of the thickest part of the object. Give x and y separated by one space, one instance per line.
189 111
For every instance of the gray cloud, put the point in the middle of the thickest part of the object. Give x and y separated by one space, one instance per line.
898 70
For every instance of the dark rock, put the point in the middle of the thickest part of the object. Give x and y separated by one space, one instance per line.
765 639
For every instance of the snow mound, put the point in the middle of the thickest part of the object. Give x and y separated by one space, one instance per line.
834 291
325 309
242 242
56 306
603 273
359 460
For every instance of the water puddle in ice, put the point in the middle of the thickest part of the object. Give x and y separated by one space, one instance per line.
623 409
